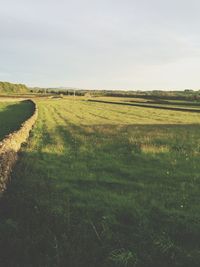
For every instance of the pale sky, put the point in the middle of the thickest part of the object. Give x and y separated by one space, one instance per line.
105 44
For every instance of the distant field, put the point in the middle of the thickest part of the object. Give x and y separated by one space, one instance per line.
160 103
12 114
102 185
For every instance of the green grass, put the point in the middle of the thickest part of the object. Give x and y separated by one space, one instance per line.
104 185
171 104
12 115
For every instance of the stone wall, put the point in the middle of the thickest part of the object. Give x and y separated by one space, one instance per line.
11 144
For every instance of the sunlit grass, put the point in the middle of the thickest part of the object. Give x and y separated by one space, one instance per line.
105 185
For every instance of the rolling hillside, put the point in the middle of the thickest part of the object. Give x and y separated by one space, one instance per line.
7 88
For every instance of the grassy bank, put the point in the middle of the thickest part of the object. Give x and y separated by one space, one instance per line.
104 185
12 115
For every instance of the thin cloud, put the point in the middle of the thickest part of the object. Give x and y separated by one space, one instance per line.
101 44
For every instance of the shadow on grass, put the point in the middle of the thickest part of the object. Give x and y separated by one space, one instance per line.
100 206
196 104
13 116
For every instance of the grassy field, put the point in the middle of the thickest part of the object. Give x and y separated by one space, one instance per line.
103 185
174 104
12 114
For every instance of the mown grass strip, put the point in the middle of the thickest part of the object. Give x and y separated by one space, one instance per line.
147 106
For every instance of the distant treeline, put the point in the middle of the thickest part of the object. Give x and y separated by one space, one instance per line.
156 95
152 95
55 91
6 87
